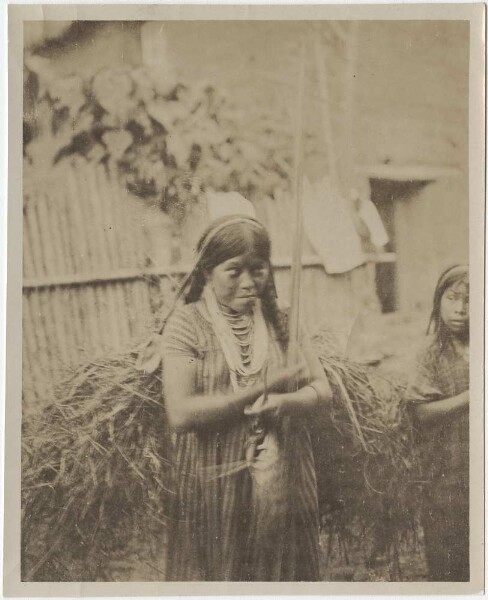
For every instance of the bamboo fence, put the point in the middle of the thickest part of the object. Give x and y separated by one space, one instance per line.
75 228
93 265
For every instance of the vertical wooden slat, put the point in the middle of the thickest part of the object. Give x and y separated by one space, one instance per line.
134 244
53 303
30 369
28 263
81 323
114 194
80 228
106 215
67 314
111 197
123 244
107 295
29 330
42 312
44 356
110 203
32 229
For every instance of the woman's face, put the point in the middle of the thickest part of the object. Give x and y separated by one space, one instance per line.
455 308
239 281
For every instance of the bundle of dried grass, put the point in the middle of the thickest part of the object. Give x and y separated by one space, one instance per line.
96 467
95 472
367 465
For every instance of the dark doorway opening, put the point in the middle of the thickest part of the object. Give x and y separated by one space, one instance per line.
384 194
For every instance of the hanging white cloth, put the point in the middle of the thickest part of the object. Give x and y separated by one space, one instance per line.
330 228
370 216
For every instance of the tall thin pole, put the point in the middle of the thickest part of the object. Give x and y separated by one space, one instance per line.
349 120
326 108
296 267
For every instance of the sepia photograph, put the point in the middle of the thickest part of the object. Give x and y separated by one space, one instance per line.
246 258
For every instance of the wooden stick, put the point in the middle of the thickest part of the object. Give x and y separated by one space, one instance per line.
298 214
326 112
349 100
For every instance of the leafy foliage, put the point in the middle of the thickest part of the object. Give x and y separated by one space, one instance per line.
169 141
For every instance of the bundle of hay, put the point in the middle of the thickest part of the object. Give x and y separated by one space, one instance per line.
367 465
96 467
95 472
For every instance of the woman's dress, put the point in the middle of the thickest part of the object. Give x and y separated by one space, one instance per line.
214 532
444 447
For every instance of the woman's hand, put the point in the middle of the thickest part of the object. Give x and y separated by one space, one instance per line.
282 380
303 401
269 407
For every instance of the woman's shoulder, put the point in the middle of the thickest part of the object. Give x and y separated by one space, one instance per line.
184 312
188 322
182 323
184 315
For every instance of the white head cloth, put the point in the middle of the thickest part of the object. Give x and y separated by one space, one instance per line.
226 204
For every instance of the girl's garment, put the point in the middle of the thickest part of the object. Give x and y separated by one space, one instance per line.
214 533
444 447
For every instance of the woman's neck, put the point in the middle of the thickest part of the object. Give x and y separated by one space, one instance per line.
230 312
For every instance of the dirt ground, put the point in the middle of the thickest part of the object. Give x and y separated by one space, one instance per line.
350 564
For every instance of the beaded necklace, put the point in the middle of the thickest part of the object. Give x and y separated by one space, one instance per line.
242 337
242 326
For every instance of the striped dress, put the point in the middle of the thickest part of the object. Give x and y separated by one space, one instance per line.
216 531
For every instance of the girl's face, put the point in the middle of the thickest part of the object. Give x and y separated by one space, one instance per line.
240 281
455 308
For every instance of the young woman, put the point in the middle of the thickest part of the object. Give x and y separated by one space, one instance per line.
439 393
245 507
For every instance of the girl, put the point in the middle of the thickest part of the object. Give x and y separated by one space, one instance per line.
439 393
246 501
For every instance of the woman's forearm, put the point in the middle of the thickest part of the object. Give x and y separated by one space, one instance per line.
197 411
432 413
190 411
306 398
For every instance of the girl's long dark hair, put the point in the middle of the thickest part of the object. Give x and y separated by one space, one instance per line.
237 238
449 277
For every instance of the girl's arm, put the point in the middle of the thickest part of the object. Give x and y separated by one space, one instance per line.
188 411
436 412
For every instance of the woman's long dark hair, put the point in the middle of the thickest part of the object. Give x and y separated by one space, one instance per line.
448 278
237 238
